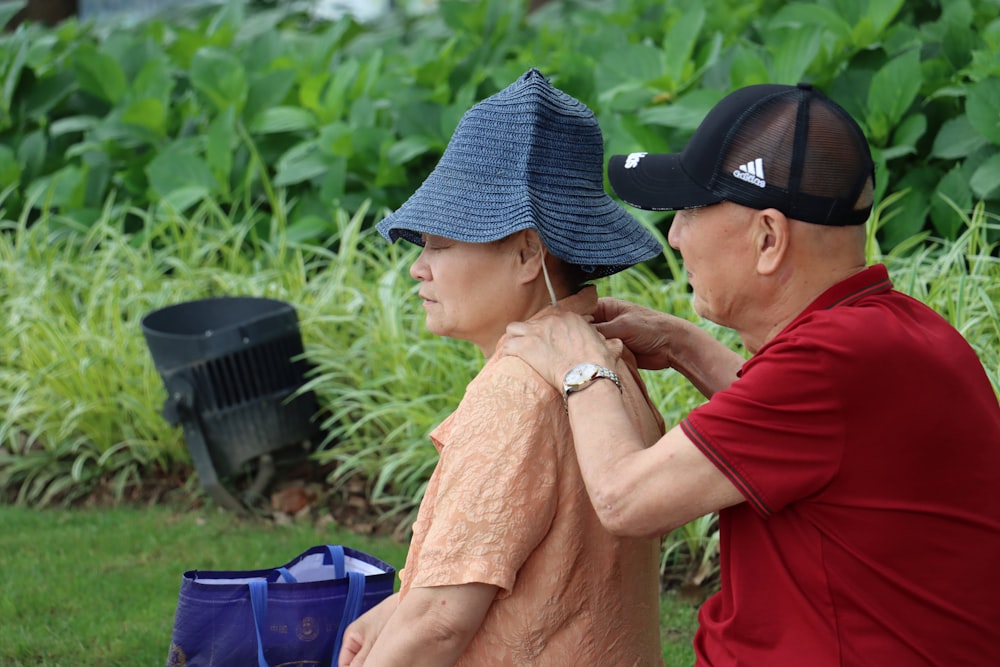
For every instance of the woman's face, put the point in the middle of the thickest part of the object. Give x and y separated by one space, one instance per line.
470 291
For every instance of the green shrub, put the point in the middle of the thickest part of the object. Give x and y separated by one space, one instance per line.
249 154
80 397
244 106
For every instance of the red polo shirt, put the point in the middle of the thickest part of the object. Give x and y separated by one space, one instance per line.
865 438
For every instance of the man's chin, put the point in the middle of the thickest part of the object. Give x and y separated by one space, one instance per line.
702 311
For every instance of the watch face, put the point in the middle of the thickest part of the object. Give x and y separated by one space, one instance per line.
580 373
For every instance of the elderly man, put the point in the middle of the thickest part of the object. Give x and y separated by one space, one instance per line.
854 458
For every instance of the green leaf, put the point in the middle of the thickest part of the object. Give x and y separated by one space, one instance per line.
311 90
882 12
956 12
60 189
891 93
906 136
178 168
332 183
31 153
8 9
337 139
113 130
185 197
632 64
408 148
97 177
44 94
11 68
389 173
798 15
910 213
748 68
958 43
10 170
953 188
363 114
228 19
984 63
680 42
957 139
307 228
268 90
301 163
147 113
71 124
336 97
99 74
153 81
427 120
684 114
220 141
219 76
983 108
793 52
985 181
282 119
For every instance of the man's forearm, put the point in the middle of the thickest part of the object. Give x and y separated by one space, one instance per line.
707 364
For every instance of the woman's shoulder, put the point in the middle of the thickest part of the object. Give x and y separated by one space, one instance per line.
507 374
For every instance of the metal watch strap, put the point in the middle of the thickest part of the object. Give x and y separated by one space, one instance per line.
583 375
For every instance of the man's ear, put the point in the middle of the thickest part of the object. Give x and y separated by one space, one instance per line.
772 236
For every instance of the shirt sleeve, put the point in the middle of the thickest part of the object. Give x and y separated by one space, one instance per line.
778 432
497 486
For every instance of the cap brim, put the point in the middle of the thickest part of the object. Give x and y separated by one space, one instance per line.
656 182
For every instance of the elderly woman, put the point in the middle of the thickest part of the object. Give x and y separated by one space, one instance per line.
508 563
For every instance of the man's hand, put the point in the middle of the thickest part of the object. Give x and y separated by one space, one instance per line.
360 635
659 341
642 330
555 343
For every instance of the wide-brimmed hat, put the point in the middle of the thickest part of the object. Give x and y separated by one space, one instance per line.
528 157
762 146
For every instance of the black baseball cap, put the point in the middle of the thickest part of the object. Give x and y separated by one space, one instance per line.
762 146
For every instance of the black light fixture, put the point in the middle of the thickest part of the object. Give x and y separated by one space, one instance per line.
233 368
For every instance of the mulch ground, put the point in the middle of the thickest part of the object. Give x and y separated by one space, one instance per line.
299 492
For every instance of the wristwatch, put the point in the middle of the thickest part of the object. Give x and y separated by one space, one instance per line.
583 375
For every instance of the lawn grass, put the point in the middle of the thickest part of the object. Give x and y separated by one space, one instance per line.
99 587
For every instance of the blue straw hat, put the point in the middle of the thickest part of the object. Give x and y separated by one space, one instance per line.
528 157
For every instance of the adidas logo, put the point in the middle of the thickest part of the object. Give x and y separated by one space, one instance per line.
752 172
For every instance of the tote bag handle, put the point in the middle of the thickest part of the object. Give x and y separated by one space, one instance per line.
339 561
352 610
352 607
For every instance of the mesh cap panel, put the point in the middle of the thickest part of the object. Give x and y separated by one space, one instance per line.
767 146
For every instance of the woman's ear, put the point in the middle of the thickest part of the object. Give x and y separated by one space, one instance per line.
531 252
772 237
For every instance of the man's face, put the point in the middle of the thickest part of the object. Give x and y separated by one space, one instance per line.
717 247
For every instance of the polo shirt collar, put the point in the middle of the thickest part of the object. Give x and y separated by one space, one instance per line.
872 280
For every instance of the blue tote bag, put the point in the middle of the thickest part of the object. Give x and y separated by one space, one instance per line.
290 615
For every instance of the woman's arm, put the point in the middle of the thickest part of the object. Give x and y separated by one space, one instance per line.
431 626
361 635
